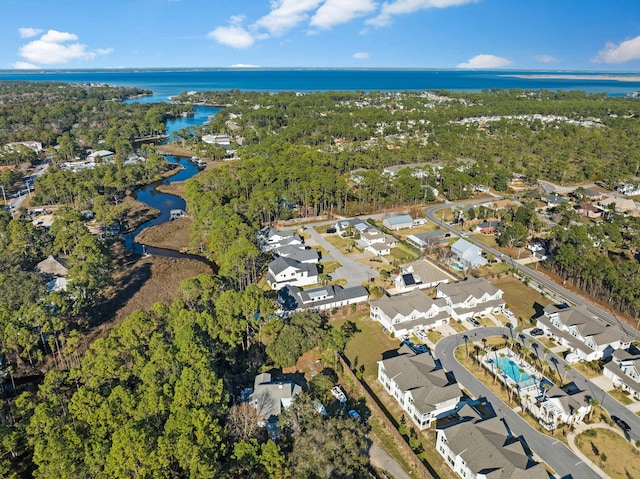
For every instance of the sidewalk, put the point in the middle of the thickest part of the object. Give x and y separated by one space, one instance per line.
581 427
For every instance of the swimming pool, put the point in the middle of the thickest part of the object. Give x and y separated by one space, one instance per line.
456 266
511 369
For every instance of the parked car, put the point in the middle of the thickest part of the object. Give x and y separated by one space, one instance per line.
339 394
421 335
473 321
621 423
355 415
536 332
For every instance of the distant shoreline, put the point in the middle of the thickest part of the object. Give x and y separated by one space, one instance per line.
623 78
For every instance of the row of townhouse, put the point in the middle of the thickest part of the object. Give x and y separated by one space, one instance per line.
413 311
588 337
624 370
474 442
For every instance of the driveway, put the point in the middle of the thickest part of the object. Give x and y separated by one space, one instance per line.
559 457
380 459
354 272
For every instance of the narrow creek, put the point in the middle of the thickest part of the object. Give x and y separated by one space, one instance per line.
164 202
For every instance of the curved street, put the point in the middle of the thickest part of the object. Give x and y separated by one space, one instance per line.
558 456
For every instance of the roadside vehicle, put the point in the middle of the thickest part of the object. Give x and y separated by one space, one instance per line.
536 332
621 423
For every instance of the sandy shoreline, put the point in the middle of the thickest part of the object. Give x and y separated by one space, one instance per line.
622 78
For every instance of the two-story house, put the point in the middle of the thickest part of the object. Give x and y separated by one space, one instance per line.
420 386
589 337
624 370
406 313
557 406
472 297
419 275
291 298
467 254
285 271
485 448
270 238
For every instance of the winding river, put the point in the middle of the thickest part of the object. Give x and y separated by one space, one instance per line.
165 202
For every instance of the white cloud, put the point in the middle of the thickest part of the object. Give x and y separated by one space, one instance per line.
624 52
53 48
28 32
244 65
485 61
335 12
234 36
361 55
285 15
546 59
403 7
25 66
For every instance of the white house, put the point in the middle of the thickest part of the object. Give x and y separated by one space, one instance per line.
395 223
468 254
557 406
419 275
297 253
100 155
588 337
270 238
419 385
629 189
486 449
406 313
33 145
472 297
286 271
220 140
624 370
291 298
430 239
352 226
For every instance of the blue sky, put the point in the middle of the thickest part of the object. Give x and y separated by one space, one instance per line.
515 34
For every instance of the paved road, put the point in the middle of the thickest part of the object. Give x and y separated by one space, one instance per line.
356 273
611 405
558 456
538 278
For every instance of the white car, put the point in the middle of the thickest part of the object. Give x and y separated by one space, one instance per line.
421 335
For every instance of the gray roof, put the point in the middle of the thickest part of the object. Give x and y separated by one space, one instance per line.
488 448
468 252
587 325
398 220
52 266
420 375
297 254
292 298
281 263
269 397
427 272
404 304
459 292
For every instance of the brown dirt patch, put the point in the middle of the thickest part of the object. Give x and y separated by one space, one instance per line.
173 149
138 213
176 188
171 235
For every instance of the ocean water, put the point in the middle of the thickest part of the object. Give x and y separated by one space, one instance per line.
170 82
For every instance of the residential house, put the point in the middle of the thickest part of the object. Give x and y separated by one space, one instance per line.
589 337
270 238
32 145
620 205
469 298
52 266
418 169
419 384
594 195
291 298
409 312
271 397
539 250
285 271
482 448
467 254
296 253
395 223
419 275
430 239
629 189
554 200
557 406
376 242
588 210
218 140
357 175
624 370
100 156
488 227
352 227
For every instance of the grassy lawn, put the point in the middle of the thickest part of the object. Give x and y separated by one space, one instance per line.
502 318
489 240
403 254
434 336
322 229
521 300
622 398
343 244
586 370
459 327
330 266
485 321
621 462
499 268
548 342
